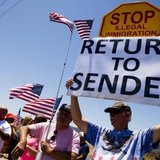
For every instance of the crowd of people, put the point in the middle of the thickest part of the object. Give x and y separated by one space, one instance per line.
38 139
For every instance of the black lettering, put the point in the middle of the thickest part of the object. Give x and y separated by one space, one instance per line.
124 85
111 87
100 45
87 44
117 59
148 87
137 49
115 44
152 43
89 80
77 81
126 66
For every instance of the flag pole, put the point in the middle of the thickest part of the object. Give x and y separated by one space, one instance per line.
56 104
64 65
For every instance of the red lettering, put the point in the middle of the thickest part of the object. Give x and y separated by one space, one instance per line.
115 17
137 17
148 14
125 16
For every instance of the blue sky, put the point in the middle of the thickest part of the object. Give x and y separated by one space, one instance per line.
33 50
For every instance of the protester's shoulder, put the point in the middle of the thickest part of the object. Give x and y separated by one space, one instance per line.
38 125
92 126
72 129
4 123
144 131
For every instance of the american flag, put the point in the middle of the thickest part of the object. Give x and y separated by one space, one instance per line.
55 17
57 102
17 120
84 28
28 92
40 106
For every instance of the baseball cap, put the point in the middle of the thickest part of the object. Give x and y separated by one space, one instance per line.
118 106
65 107
10 116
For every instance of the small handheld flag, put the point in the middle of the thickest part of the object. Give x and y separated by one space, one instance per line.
56 104
17 121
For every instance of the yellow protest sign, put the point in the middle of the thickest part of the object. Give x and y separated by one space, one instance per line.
138 19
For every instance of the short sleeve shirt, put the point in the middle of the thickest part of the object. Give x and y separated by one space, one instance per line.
66 139
84 149
5 128
119 145
32 142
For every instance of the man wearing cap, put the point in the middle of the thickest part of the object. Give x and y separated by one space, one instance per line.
61 142
10 118
118 143
5 129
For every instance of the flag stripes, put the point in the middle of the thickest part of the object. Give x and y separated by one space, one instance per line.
57 102
61 19
28 92
84 28
17 120
40 106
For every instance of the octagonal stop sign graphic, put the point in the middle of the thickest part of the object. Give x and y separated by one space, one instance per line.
131 20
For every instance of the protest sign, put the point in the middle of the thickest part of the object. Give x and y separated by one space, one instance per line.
136 19
120 69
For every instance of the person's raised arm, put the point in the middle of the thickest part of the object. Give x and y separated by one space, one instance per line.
75 110
77 115
156 133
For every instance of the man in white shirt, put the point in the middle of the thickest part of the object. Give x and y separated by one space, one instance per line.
119 143
5 129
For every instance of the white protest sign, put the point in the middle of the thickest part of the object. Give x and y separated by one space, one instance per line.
120 69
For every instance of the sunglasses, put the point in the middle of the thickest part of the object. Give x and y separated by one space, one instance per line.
116 111
54 135
65 112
